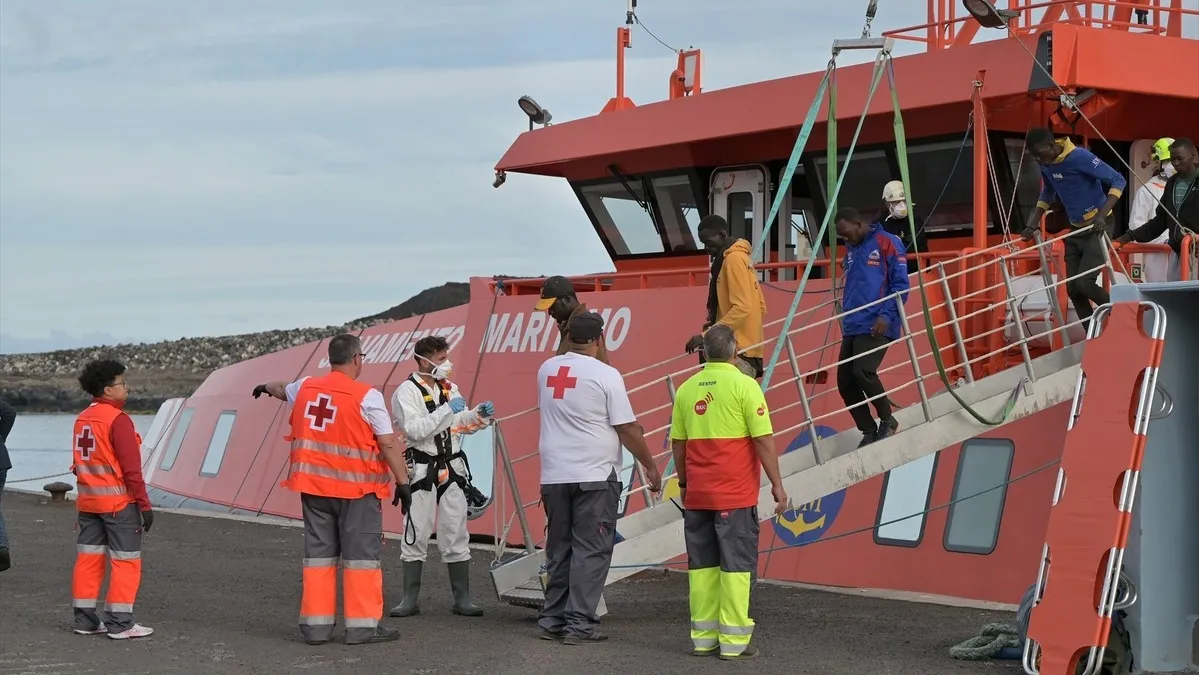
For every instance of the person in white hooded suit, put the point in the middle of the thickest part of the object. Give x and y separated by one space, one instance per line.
432 414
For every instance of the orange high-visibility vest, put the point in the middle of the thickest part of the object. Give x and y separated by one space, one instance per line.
98 476
333 448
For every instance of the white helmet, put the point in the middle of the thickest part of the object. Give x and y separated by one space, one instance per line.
894 192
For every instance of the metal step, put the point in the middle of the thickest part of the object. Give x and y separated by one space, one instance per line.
655 535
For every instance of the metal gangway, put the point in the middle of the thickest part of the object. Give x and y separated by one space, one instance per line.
1029 371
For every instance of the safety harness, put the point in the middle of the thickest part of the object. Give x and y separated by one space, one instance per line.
440 474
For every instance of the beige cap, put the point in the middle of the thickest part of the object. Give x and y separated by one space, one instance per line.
893 192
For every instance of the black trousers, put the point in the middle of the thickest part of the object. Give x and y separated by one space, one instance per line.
1083 252
580 537
857 380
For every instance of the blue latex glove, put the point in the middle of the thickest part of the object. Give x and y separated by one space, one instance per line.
457 405
486 409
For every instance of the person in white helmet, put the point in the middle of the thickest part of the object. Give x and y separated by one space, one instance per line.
894 219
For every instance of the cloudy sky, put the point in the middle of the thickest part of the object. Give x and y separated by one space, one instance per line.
202 168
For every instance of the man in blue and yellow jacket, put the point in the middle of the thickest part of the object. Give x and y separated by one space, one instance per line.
875 267
1088 189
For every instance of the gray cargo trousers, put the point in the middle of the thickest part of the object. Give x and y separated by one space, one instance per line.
580 536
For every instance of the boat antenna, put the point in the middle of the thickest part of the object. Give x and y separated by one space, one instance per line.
871 10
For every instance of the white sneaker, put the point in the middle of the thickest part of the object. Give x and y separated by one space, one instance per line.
135 631
95 631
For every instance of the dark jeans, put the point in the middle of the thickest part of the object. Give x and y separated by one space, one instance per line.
858 380
1083 252
579 542
3 531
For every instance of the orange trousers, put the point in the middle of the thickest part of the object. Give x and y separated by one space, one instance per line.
350 530
116 537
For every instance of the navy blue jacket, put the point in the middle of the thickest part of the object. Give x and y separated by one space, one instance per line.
1080 180
874 268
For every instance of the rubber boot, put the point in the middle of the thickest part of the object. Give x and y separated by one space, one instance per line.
460 585
409 604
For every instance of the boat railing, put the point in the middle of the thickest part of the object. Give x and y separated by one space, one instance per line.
1010 274
954 27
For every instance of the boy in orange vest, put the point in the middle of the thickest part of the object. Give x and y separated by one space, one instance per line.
113 506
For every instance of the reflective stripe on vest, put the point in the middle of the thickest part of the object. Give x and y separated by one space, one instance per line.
333 448
99 481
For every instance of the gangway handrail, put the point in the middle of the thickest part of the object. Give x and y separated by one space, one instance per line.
1017 254
1008 301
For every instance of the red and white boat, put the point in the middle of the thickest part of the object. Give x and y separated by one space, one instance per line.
872 518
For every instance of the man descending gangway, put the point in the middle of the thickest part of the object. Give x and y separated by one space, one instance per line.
721 439
342 445
114 508
430 411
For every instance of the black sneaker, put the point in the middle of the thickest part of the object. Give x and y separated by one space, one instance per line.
887 427
868 437
593 638
381 635
5 560
750 652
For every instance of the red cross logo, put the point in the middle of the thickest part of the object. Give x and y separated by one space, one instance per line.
321 412
561 381
85 442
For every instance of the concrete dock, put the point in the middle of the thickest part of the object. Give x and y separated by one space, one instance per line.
223 595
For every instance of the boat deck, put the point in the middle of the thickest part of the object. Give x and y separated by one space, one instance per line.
222 596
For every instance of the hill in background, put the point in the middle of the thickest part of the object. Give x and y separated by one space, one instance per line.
45 382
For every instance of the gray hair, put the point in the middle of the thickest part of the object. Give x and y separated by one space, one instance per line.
343 348
719 343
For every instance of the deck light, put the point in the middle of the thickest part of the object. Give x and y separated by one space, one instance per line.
537 114
987 16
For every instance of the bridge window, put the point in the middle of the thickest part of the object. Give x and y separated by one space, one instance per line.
1027 177
625 212
906 493
217 444
934 175
973 524
176 441
479 449
862 189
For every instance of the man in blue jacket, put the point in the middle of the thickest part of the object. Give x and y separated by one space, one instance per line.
875 267
1088 189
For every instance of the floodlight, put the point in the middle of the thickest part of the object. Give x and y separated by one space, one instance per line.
537 114
987 16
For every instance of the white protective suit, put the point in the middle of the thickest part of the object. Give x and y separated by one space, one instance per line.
1157 266
412 416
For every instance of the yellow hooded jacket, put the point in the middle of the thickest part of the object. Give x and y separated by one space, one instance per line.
739 300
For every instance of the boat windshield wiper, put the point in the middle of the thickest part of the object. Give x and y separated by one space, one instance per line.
649 203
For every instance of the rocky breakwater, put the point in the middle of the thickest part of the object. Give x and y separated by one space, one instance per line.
46 382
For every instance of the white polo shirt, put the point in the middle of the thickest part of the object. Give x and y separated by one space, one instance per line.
581 400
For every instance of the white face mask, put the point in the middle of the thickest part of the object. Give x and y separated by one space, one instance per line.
440 370
1168 169
899 210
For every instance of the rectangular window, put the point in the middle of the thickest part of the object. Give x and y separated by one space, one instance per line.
216 445
944 171
176 442
906 492
862 189
624 213
973 524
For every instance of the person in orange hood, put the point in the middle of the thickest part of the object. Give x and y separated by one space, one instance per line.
734 296
113 506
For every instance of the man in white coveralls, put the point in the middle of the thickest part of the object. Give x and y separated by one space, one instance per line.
432 414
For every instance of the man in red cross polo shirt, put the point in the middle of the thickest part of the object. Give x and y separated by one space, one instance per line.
585 419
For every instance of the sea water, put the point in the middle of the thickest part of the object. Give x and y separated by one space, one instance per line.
40 445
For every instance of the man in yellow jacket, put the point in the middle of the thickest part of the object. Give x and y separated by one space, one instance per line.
734 296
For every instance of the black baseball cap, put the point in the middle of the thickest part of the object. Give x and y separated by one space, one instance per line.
585 327
552 289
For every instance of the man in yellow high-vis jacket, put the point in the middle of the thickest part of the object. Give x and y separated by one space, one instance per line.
722 439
